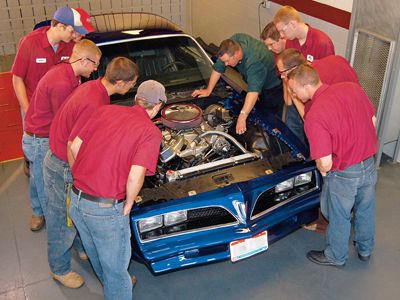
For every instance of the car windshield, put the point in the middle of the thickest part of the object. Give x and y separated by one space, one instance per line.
175 61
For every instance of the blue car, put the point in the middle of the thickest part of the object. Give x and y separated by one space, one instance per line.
216 195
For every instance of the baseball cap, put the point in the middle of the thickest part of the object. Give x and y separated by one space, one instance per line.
151 91
70 16
85 19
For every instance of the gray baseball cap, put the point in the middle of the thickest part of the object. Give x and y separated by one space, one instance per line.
151 91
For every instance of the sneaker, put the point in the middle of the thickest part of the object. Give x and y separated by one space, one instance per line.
82 255
70 280
37 223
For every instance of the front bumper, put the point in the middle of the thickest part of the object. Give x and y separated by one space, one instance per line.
191 248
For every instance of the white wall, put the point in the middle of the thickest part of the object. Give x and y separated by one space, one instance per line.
215 21
346 5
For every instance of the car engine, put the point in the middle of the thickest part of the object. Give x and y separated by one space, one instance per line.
196 141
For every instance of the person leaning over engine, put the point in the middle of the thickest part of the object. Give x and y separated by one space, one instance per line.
340 127
124 143
256 64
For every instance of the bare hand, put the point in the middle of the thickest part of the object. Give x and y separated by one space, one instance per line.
201 93
241 124
128 207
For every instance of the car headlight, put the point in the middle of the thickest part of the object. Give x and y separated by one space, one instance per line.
284 186
175 217
302 179
150 223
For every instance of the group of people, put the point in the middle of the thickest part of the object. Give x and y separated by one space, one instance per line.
326 108
88 159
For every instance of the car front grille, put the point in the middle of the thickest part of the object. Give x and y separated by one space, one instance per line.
197 219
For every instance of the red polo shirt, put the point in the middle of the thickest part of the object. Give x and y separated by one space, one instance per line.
35 56
333 69
48 98
78 108
340 123
317 45
115 138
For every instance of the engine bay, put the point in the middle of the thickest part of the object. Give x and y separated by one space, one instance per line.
201 151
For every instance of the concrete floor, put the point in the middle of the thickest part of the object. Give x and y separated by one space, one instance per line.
283 272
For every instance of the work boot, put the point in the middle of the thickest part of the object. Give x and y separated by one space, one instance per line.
37 223
70 280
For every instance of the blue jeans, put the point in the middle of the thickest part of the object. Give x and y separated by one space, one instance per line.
295 123
60 236
352 188
105 234
35 150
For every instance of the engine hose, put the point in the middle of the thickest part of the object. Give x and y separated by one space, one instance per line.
224 134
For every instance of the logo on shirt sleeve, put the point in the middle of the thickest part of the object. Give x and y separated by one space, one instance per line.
64 57
40 60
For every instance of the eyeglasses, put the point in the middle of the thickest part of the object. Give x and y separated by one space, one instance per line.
286 71
92 61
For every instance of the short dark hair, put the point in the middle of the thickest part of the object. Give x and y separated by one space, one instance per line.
121 68
270 32
291 58
228 47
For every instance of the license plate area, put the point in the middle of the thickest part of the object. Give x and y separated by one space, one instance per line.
242 249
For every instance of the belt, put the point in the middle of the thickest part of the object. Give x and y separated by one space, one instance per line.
36 135
94 198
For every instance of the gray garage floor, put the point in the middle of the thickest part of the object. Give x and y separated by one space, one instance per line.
282 272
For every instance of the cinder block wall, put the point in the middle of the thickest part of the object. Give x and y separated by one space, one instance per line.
17 17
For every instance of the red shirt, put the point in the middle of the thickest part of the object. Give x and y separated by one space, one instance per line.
49 95
317 45
78 108
115 138
35 56
340 123
333 69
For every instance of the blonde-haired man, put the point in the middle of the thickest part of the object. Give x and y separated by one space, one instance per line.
313 43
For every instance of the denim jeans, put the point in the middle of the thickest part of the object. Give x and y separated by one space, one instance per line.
105 234
295 123
352 188
60 236
35 150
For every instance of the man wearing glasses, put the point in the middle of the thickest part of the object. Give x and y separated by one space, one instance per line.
256 64
124 142
331 69
37 53
52 90
313 43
